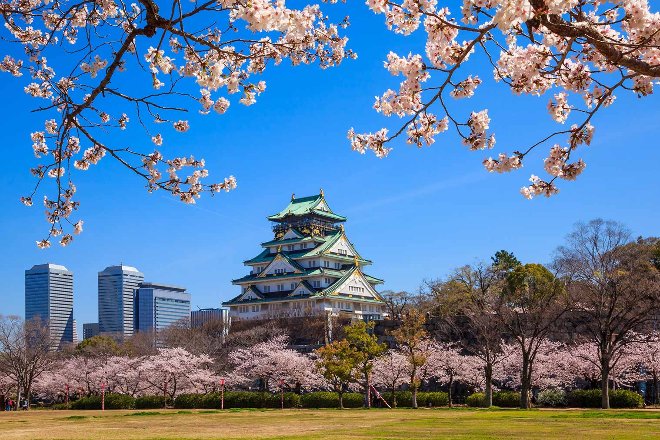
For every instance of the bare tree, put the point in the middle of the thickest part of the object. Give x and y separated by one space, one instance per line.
616 286
24 352
468 300
397 303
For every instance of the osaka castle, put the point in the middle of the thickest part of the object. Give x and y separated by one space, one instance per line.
308 268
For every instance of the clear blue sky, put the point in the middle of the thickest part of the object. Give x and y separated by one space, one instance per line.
416 214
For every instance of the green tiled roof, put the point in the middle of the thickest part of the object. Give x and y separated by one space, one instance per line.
307 272
293 241
306 206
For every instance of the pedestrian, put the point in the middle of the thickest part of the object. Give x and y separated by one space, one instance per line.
10 404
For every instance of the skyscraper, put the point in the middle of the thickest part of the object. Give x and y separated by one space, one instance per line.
157 306
49 297
117 285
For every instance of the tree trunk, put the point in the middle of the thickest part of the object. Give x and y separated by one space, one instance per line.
341 399
489 384
604 384
525 382
451 385
656 392
368 393
413 384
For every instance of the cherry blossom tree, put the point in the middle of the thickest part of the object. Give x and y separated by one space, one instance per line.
391 371
448 366
648 354
97 67
25 352
272 362
615 283
175 370
624 368
579 53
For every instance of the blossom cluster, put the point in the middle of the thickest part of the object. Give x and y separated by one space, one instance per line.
573 49
220 48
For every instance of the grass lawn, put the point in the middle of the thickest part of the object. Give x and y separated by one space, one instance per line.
332 424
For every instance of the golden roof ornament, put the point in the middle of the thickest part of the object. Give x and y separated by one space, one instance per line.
341 228
293 196
321 192
356 261
279 249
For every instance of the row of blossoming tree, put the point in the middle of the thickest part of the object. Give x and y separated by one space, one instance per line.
272 366
501 324
98 67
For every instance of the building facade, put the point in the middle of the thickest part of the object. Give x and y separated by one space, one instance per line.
117 286
90 329
308 268
202 316
158 306
49 297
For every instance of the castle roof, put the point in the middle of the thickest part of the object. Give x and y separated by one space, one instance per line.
304 206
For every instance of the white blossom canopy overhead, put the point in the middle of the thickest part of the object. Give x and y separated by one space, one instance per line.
98 66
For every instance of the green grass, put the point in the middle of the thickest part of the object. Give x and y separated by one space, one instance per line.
379 424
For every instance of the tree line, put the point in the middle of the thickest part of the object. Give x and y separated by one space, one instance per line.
586 319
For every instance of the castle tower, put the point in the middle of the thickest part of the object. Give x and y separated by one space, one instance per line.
309 268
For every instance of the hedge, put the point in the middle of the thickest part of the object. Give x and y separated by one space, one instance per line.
112 401
326 399
552 398
237 399
504 399
150 402
404 398
592 399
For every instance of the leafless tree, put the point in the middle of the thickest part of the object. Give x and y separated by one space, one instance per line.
24 352
467 301
616 286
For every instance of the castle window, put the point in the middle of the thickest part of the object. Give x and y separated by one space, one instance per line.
266 289
290 247
280 287
316 283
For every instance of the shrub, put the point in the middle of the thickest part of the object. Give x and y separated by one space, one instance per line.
60 406
112 401
552 398
433 399
584 398
150 402
403 398
210 401
592 399
625 399
506 399
476 400
326 399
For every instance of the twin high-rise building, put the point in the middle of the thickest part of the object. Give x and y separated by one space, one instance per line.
49 298
125 303
117 286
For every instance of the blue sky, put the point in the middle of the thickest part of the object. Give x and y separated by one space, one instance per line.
416 214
